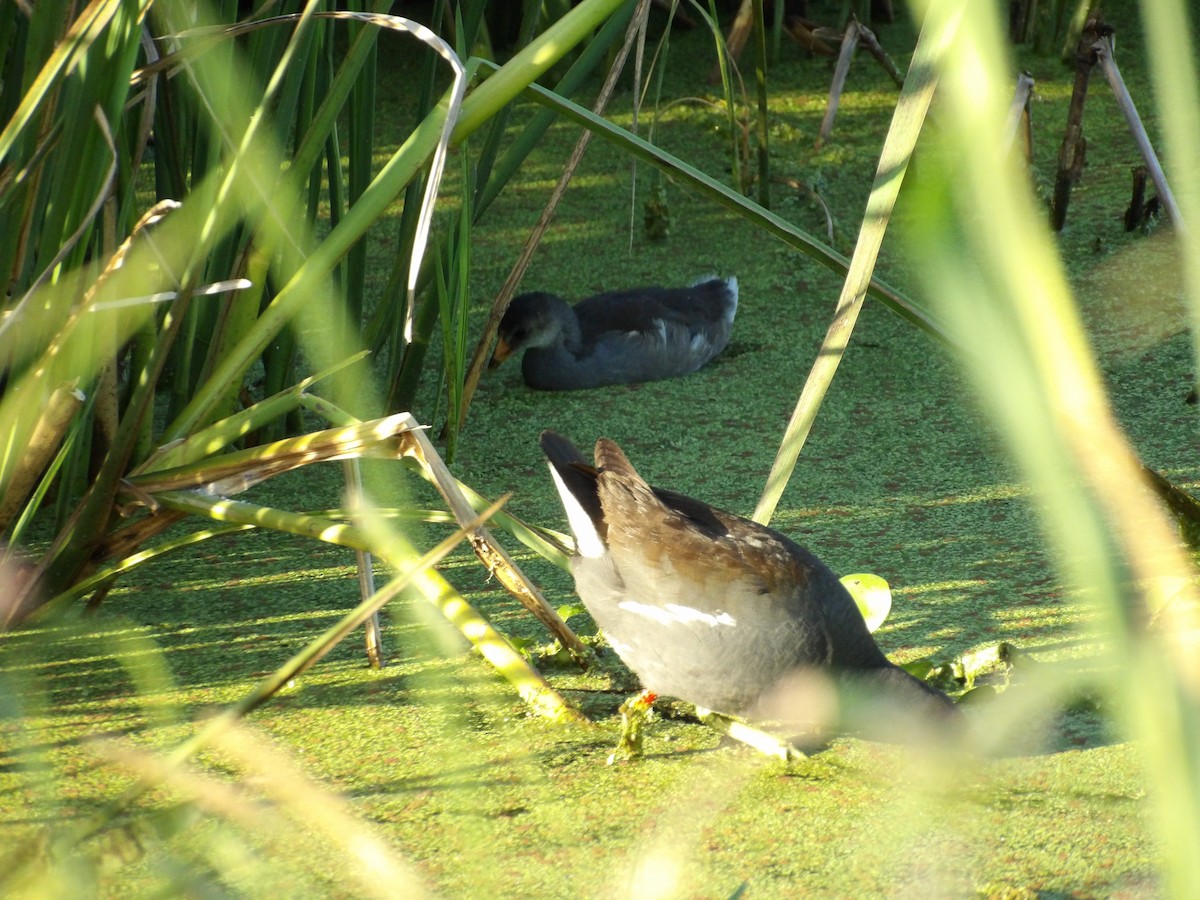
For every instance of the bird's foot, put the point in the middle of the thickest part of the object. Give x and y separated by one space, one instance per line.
635 713
760 740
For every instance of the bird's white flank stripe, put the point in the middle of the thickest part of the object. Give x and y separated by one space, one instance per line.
673 612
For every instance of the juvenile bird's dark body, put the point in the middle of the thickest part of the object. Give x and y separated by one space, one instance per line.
620 337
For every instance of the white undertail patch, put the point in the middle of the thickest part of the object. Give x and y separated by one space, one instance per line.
587 539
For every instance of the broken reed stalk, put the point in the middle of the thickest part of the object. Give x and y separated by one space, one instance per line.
1137 213
876 49
1074 147
373 636
807 35
849 42
1104 54
1095 47
415 444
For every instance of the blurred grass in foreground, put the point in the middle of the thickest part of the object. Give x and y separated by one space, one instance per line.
990 265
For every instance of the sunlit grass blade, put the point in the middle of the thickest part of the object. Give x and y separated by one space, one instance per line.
907 123
48 434
240 469
242 513
228 430
415 446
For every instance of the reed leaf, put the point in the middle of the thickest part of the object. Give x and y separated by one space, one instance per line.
230 429
236 471
907 123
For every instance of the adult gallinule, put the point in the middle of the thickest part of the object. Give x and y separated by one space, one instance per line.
720 611
619 337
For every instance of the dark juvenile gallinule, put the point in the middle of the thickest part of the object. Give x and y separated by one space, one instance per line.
717 610
619 337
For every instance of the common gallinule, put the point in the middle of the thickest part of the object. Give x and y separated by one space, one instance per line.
720 611
619 337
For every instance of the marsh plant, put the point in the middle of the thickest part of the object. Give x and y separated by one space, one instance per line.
186 200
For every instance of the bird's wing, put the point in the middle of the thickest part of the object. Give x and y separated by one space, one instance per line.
695 562
699 309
